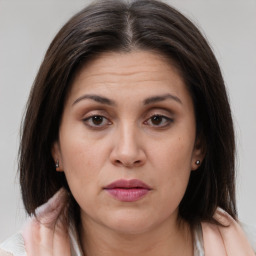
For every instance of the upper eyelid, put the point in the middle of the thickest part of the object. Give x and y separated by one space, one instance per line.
110 114
96 112
157 114
107 117
163 116
160 112
160 115
91 116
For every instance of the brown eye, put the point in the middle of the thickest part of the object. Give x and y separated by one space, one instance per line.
159 121
156 120
96 121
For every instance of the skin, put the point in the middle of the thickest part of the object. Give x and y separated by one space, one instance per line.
127 142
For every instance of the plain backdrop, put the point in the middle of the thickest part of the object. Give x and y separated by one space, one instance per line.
26 30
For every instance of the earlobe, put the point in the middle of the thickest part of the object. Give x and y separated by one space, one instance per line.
195 165
57 166
198 155
57 156
198 162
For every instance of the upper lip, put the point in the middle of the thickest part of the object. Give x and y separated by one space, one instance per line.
134 183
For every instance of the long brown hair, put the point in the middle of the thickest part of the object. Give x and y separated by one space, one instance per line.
112 25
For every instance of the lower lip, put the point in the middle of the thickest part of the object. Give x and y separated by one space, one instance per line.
128 195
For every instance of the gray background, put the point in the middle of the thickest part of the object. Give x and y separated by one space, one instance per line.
27 28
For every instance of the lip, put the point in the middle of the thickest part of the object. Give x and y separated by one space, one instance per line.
128 190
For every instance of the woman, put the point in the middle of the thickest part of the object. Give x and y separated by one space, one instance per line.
128 143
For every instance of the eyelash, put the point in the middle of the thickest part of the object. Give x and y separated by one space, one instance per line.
168 120
89 121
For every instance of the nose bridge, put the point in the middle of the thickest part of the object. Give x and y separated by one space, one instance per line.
127 142
127 150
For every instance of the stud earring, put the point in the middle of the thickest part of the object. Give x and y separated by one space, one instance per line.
57 164
197 162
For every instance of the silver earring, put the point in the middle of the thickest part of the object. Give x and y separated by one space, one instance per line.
197 162
57 165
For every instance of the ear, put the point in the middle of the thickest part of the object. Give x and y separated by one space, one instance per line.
198 154
56 154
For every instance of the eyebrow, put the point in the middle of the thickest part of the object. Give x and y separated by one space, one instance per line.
159 98
106 101
96 98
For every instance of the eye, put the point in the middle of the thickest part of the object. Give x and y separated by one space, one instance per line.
96 121
159 121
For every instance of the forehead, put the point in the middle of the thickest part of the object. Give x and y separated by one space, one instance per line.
143 73
145 65
128 64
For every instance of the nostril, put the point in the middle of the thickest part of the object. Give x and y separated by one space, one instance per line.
128 164
123 163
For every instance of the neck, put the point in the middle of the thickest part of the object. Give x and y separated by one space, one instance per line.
163 240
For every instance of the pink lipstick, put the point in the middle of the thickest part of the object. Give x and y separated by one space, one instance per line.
128 190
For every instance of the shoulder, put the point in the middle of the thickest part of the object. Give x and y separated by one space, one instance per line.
13 246
229 238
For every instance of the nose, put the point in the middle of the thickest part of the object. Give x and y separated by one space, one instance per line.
128 148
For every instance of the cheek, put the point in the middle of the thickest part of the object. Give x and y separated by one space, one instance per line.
79 150
76 155
82 167
173 154
173 163
81 161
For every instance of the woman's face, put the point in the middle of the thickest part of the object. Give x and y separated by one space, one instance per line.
127 141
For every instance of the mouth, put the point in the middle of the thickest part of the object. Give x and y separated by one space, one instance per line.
128 190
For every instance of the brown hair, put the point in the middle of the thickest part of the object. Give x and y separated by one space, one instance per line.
120 26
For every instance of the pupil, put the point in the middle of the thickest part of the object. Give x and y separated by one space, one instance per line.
156 120
97 120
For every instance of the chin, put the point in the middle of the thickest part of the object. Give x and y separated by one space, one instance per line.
130 224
